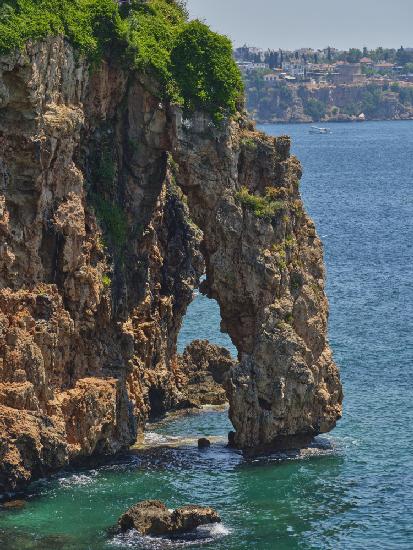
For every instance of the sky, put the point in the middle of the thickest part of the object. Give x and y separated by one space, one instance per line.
292 24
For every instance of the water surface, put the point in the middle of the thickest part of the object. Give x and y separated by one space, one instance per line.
356 491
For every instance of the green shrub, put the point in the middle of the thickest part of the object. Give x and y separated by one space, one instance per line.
106 280
290 241
205 71
315 109
153 31
193 65
106 170
91 25
261 206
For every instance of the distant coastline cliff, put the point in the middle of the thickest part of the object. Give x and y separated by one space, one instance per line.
309 85
329 103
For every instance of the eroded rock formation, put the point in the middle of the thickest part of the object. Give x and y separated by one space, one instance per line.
205 370
99 259
267 274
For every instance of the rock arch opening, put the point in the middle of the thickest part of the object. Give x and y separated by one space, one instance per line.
206 355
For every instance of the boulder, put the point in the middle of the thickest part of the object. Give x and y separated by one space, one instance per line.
203 443
190 517
204 370
152 517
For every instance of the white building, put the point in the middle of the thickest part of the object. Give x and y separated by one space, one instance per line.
272 77
248 66
294 69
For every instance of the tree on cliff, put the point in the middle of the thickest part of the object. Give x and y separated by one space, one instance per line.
354 55
205 71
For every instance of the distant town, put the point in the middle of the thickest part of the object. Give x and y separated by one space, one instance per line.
308 85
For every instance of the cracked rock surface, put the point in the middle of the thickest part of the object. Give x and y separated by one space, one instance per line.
112 206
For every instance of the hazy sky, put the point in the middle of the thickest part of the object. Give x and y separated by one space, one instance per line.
291 24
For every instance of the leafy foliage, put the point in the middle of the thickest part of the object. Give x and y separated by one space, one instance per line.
153 31
106 280
262 206
92 25
205 71
113 219
193 64
315 109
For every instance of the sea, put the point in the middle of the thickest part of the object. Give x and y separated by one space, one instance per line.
352 490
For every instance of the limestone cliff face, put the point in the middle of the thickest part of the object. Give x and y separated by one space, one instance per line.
99 259
268 277
205 369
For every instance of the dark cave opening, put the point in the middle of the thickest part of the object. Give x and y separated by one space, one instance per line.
157 398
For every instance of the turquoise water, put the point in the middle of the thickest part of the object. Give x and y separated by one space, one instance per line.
353 491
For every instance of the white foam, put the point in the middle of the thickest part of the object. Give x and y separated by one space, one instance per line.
215 530
204 534
153 438
78 480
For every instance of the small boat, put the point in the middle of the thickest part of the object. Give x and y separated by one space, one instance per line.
317 130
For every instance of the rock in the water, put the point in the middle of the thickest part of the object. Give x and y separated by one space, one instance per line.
190 517
203 443
149 517
152 517
205 369
264 267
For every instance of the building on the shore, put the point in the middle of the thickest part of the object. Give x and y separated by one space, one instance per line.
274 77
384 66
366 62
296 70
347 73
248 66
318 73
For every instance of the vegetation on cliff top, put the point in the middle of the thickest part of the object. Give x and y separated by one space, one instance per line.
193 64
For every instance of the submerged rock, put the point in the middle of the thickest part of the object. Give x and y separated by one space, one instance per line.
190 517
152 517
14 504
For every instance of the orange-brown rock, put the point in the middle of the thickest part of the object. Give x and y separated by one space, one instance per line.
152 517
264 266
99 259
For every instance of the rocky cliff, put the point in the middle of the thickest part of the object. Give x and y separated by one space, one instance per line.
101 185
275 102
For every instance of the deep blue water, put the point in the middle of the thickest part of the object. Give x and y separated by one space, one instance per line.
357 493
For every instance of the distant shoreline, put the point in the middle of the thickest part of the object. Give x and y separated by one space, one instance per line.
312 123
